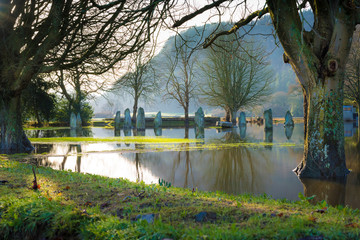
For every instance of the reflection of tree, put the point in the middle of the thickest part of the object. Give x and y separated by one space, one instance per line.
139 173
330 191
188 168
239 169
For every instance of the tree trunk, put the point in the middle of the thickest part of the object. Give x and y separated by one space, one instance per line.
135 110
358 122
13 138
186 109
324 152
233 116
227 115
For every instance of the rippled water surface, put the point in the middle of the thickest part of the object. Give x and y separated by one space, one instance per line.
235 161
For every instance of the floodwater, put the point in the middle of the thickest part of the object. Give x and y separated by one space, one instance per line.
257 169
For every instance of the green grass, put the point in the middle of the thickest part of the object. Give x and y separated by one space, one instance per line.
82 206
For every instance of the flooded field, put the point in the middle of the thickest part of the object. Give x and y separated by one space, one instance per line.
241 160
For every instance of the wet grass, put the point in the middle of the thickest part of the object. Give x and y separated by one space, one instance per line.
81 206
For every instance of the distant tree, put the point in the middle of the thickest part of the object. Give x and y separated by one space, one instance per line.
45 36
236 77
64 108
38 102
140 81
77 87
180 84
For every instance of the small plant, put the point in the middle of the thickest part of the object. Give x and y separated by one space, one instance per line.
164 183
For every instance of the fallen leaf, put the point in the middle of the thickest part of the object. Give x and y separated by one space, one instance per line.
352 225
280 214
59 194
312 219
67 187
50 198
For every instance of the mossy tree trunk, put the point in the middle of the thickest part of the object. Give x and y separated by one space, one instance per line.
318 58
13 138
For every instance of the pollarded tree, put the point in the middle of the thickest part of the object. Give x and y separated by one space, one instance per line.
236 76
140 81
42 36
318 57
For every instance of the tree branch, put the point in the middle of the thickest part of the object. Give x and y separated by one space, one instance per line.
198 12
236 26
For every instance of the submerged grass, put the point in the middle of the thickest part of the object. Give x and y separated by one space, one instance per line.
82 206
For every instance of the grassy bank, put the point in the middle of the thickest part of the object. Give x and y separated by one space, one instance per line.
82 206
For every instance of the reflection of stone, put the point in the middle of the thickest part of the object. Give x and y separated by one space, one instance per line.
158 131
117 121
158 120
140 119
140 133
268 119
268 137
242 132
78 121
289 131
288 119
127 119
72 121
332 192
199 123
242 119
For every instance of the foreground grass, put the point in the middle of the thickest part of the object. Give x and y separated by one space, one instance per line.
82 206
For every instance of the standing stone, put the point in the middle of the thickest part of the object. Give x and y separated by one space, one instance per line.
127 119
158 120
268 119
199 123
72 121
78 121
117 120
242 119
242 132
288 119
140 120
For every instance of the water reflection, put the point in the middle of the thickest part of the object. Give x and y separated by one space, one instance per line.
289 131
234 170
242 132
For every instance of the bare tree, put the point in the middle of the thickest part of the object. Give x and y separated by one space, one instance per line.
140 81
235 78
318 57
180 84
45 36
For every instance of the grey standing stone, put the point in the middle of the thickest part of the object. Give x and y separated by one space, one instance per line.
242 119
140 120
78 121
72 121
288 119
268 119
199 123
158 120
127 119
117 120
